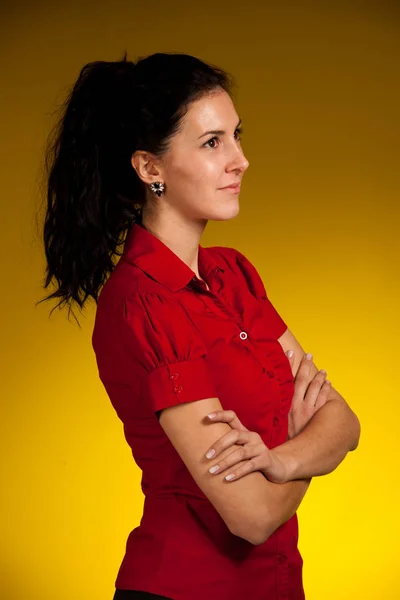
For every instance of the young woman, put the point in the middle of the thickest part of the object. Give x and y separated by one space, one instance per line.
145 154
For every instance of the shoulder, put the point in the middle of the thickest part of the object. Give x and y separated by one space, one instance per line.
241 275
238 263
126 281
231 257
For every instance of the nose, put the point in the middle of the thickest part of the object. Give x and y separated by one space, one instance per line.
238 161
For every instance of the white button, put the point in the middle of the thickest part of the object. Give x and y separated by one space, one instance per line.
243 335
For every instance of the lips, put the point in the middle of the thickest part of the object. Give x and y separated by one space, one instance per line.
232 185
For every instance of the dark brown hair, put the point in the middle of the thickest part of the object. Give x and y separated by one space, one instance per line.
94 194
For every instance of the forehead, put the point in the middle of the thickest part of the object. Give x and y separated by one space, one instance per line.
214 111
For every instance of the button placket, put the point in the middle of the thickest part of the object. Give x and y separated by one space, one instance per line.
282 558
258 355
270 374
218 305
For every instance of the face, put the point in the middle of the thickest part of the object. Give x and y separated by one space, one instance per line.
200 163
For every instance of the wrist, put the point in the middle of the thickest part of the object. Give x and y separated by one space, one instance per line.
287 457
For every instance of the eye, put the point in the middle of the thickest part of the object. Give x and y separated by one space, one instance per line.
210 140
238 133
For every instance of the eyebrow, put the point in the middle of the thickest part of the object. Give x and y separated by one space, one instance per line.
218 131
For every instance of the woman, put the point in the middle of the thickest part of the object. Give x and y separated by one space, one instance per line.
144 156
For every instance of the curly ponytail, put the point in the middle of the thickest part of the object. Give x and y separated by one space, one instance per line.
93 193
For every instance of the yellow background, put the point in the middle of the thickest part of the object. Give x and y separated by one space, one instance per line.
319 96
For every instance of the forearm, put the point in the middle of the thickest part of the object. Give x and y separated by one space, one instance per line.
283 501
321 446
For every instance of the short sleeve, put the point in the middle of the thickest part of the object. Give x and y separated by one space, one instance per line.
276 325
165 348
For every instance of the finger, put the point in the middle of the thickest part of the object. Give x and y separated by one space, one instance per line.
246 452
302 379
323 395
227 416
290 357
249 466
229 439
315 387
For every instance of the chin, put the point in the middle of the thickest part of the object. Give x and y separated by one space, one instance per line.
226 213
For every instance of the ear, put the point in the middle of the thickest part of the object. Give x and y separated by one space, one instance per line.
146 166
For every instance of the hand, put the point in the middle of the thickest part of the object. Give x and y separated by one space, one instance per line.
308 397
253 456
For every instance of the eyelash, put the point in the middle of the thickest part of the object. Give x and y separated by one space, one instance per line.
239 130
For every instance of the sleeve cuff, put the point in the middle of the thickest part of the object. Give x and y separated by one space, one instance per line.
177 383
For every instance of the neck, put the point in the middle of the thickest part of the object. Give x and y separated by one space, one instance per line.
181 237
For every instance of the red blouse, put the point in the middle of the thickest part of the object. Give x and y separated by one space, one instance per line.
160 339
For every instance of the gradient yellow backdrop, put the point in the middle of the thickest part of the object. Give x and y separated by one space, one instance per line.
319 97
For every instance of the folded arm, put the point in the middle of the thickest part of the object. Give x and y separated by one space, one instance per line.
283 501
323 443
331 433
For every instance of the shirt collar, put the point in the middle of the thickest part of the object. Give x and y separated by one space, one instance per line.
155 258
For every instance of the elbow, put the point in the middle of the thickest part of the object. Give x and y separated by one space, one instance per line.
255 538
270 526
256 533
356 435
262 536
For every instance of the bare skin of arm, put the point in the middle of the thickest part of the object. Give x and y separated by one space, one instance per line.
191 433
281 465
332 432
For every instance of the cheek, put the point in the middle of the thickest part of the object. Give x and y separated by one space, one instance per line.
195 170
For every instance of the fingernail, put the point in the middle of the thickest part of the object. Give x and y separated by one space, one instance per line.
214 469
229 477
308 356
210 453
323 371
212 416
289 353
327 381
